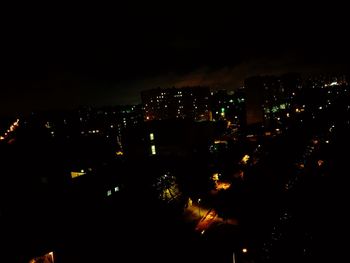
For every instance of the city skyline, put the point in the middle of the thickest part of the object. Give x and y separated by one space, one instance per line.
107 58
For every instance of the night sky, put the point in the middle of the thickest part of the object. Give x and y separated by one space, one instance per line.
65 57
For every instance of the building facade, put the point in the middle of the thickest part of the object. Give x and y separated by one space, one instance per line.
176 103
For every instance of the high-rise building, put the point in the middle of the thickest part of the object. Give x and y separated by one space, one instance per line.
229 106
270 98
176 103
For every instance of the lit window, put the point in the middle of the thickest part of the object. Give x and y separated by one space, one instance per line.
116 189
153 150
151 136
109 192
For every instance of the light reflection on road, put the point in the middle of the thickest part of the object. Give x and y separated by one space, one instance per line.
205 218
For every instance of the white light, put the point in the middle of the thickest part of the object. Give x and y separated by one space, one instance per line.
109 192
151 136
244 250
116 189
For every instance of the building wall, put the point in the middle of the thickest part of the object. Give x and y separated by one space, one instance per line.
176 103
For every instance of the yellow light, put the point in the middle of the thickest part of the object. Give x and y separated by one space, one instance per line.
297 110
219 141
245 158
216 177
76 174
153 150
119 153
244 250
49 257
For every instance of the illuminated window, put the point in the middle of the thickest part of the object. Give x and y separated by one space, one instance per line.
116 189
151 136
153 150
109 192
274 109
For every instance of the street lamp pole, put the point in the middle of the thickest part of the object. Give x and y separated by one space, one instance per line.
199 207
